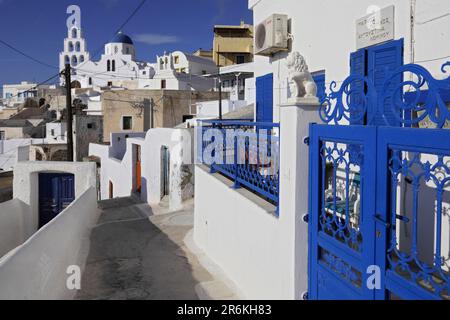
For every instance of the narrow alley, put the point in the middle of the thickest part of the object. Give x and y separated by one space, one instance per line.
135 254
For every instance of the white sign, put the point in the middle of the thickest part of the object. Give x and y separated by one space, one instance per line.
376 27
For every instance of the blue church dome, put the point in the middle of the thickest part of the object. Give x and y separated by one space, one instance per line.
122 38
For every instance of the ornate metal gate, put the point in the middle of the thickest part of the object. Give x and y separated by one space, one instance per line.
380 195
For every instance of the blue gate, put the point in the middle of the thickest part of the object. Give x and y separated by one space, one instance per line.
56 192
342 162
380 195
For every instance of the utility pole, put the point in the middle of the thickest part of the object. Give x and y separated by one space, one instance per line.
152 110
220 99
67 75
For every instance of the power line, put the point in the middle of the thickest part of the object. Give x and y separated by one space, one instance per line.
27 55
431 60
131 16
117 31
36 86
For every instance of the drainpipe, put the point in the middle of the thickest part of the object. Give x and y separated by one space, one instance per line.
237 84
413 4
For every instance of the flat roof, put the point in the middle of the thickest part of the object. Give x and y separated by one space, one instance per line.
14 123
248 67
244 26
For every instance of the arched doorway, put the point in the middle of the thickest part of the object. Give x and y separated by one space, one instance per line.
75 84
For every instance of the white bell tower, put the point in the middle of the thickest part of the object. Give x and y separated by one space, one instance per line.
75 49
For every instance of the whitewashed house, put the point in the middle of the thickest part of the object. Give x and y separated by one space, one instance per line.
181 71
14 94
266 233
238 82
153 165
13 151
93 100
189 63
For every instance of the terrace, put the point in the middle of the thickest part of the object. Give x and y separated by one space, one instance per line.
245 152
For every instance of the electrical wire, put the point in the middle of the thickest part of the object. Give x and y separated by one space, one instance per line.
131 16
35 87
431 60
33 59
100 49
27 55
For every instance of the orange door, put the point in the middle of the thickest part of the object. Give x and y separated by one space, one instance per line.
138 170
111 190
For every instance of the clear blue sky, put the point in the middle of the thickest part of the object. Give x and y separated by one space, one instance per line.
38 27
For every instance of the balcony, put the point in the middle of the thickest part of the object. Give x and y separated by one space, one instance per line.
245 152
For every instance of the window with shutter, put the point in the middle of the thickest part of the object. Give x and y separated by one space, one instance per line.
376 62
358 67
382 60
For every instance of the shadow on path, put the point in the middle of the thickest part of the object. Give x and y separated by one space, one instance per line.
132 257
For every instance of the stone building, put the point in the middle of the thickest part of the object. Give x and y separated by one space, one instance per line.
130 110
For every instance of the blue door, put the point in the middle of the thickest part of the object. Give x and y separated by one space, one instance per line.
56 192
264 98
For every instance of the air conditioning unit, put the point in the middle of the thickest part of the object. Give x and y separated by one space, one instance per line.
271 35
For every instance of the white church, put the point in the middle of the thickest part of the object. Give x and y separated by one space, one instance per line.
117 63
118 66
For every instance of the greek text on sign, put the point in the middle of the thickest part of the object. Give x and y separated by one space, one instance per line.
375 28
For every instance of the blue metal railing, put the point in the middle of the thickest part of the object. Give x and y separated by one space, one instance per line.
245 152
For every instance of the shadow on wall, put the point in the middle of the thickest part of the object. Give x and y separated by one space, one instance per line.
6 194
132 258
38 268
144 190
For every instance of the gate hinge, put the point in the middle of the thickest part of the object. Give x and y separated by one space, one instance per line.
306 141
305 296
305 218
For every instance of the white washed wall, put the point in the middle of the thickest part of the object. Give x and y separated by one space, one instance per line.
324 32
240 233
37 269
13 215
210 109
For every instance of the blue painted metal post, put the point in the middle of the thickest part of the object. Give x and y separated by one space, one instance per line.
213 155
236 165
